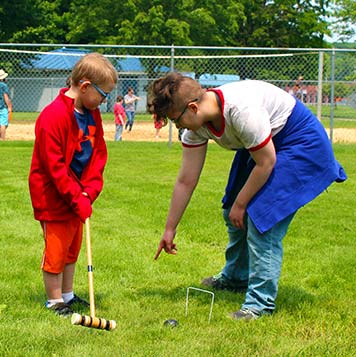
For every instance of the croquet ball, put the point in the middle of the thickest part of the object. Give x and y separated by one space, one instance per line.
171 323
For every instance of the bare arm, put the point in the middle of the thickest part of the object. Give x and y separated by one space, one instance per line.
265 159
8 102
188 177
132 100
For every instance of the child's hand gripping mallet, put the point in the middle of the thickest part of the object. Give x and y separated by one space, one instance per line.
91 321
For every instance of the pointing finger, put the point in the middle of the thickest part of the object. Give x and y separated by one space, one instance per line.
159 250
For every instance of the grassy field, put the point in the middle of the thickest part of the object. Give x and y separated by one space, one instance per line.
316 314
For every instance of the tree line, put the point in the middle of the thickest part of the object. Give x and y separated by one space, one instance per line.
236 23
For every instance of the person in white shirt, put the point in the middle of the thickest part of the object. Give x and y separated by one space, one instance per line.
289 162
130 100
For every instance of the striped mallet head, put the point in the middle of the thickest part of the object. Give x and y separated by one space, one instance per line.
94 322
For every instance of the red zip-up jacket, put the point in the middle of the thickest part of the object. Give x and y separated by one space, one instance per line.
56 192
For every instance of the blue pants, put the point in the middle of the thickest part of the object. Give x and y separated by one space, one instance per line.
118 132
130 117
254 260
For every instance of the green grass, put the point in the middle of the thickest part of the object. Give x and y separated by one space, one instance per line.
340 111
316 305
343 117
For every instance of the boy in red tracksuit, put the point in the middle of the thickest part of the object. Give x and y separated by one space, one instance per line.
66 174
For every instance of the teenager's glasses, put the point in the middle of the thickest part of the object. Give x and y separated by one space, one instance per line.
98 89
176 121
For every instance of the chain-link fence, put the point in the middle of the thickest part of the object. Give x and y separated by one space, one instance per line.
324 79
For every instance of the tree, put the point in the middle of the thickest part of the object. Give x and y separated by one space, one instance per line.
14 17
47 21
261 23
345 18
284 23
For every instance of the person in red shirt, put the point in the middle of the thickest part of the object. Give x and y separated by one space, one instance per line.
120 115
158 123
66 174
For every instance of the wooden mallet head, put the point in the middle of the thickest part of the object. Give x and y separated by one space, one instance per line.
94 322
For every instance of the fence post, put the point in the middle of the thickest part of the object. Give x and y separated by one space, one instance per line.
170 123
332 95
320 84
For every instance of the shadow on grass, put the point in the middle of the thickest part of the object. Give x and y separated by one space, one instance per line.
290 297
180 292
99 298
288 300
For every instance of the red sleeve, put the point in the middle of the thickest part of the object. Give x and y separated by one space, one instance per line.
92 178
55 133
264 143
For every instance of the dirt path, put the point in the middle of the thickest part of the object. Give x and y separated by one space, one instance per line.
144 131
141 131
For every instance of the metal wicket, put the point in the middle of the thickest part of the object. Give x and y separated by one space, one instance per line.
203 291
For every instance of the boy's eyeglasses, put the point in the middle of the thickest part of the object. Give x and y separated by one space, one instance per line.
98 89
176 121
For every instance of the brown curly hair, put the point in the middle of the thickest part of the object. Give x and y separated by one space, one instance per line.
171 92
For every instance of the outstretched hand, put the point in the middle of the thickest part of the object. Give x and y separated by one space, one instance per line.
167 244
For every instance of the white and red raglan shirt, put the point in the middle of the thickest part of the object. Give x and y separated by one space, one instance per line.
252 112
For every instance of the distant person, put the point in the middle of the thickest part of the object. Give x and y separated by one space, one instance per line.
66 174
180 133
5 105
130 100
68 81
158 123
298 88
119 113
284 161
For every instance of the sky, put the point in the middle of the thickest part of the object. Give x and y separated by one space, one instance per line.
335 38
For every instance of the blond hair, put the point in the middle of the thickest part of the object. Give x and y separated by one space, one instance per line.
94 67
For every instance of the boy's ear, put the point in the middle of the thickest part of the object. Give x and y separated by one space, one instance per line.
84 85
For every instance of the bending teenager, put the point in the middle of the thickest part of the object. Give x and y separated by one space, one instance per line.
289 162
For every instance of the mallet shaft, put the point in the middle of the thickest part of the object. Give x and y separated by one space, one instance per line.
90 268
91 321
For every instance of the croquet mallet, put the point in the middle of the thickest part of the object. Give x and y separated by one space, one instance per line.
92 320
